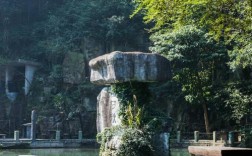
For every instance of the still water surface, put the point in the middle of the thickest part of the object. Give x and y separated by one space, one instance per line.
70 152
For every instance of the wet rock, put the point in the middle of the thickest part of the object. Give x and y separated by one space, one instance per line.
117 67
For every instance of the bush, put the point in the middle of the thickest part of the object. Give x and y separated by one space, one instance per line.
135 142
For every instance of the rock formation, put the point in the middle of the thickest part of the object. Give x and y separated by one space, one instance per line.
118 67
107 108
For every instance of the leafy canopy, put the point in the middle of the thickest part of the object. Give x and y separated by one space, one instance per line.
194 55
227 20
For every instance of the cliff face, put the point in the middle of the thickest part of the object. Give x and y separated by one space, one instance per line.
74 68
15 82
60 87
68 92
64 37
63 96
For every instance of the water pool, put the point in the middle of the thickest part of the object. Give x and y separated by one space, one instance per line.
50 152
70 152
180 152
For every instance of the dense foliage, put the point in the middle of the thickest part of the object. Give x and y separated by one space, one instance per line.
47 31
137 106
136 135
226 20
208 43
195 58
133 141
132 96
201 38
105 22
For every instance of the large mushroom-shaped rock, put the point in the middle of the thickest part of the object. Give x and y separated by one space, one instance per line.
117 67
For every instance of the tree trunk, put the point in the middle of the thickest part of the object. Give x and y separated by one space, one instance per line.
206 118
81 122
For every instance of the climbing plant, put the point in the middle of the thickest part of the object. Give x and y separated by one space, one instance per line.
139 125
136 106
133 98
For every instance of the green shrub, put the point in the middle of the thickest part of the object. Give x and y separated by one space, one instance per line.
135 142
247 140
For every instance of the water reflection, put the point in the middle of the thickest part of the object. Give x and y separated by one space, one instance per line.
70 152
51 152
179 152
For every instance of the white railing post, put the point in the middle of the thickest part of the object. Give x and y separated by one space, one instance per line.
196 136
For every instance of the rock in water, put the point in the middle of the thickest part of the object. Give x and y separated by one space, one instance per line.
118 67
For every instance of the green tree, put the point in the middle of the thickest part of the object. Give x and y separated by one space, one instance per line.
107 23
238 99
227 20
194 57
239 104
18 19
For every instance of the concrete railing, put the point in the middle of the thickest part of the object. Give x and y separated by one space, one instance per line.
16 136
214 138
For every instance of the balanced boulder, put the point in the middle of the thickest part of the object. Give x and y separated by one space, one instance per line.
118 67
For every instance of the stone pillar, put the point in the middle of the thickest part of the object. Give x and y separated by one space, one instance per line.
196 136
231 138
178 136
224 137
8 77
214 137
115 120
29 72
161 144
166 142
9 73
57 135
16 135
239 137
107 110
33 125
80 135
125 67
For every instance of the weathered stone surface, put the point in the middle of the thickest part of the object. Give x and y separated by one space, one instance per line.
74 68
119 67
107 110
